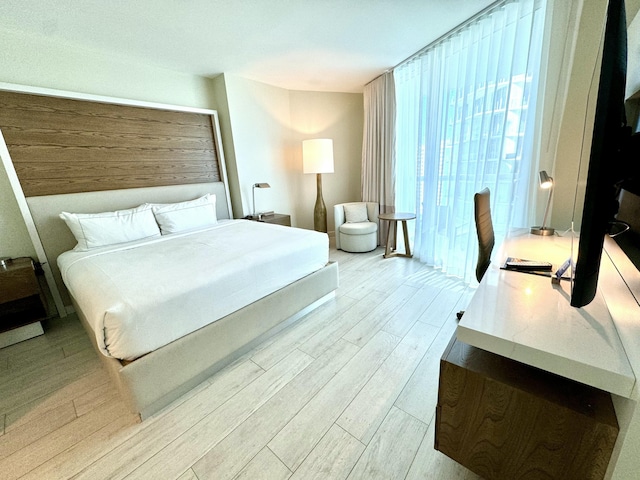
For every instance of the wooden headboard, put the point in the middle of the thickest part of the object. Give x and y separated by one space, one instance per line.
61 150
63 145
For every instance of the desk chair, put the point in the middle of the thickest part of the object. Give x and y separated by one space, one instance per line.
484 230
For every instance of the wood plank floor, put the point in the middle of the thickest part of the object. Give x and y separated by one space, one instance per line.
348 392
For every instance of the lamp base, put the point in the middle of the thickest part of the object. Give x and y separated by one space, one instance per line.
319 211
544 231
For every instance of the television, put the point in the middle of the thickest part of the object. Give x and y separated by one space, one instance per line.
611 159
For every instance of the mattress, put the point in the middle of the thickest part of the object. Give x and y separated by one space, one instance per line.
142 295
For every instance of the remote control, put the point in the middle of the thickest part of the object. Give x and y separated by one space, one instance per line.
528 265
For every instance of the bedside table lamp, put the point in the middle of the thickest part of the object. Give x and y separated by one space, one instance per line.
317 157
546 182
253 191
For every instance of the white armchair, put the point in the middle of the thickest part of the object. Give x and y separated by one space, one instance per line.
356 226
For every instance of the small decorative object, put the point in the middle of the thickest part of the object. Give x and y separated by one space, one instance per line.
253 190
546 182
317 157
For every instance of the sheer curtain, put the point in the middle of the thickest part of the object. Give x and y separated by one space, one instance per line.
465 120
378 147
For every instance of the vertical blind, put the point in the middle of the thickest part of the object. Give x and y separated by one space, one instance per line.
465 120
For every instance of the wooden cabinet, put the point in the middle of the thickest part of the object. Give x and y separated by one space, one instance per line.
20 301
506 420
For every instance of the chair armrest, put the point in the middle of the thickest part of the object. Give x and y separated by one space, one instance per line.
338 219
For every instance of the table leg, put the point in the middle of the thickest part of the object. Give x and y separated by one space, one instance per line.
387 248
407 248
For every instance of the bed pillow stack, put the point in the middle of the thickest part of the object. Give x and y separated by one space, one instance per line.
93 230
184 216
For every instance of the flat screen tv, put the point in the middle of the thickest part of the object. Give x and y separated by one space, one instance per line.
610 159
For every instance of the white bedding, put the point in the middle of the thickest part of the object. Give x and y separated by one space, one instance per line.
142 295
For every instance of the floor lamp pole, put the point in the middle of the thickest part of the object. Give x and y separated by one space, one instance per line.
320 211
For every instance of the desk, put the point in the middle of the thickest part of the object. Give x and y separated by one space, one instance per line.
525 318
393 219
522 317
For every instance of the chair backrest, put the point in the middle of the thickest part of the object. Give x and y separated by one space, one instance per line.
372 212
484 229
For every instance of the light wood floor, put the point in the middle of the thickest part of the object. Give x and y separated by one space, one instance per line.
347 392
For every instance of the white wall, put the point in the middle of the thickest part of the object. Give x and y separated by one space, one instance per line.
37 61
575 117
259 121
339 116
267 125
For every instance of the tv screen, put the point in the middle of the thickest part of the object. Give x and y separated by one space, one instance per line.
606 161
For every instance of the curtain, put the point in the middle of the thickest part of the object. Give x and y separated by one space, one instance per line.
378 147
465 120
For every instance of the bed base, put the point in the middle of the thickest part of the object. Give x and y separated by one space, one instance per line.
153 381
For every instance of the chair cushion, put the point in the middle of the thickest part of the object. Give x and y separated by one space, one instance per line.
360 228
355 212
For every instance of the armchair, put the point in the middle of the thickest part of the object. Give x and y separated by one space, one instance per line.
356 226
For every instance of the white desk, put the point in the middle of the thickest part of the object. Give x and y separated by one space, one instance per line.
524 317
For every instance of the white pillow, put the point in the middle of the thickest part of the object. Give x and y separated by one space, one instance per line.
179 217
94 230
356 213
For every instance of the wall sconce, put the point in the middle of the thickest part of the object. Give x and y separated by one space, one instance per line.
253 191
317 157
546 182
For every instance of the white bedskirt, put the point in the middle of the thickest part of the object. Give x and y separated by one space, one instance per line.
140 296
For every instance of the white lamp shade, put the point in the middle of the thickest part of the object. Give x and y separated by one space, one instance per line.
317 155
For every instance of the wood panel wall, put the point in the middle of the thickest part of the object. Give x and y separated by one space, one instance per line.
61 145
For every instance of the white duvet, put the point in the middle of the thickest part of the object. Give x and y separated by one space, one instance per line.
142 295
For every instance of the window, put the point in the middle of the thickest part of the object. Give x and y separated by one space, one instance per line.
464 121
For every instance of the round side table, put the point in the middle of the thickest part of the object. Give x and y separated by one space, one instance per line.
393 219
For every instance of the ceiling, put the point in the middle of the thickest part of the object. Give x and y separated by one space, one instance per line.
320 45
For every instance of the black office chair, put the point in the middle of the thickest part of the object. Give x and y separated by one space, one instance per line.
484 230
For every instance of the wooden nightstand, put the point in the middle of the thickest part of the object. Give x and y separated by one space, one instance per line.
21 305
276 218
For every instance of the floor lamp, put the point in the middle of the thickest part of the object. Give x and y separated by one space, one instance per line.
317 157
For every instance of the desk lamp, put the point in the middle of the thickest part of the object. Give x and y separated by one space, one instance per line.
253 191
317 157
546 182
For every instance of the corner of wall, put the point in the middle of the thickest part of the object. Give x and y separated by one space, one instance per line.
221 104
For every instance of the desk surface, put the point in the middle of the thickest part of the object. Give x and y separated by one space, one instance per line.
524 317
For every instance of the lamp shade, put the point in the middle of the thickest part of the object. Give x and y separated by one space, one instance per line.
317 155
545 180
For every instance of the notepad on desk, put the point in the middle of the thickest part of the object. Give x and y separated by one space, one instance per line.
523 265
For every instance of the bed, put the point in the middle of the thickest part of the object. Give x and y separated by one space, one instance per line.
48 168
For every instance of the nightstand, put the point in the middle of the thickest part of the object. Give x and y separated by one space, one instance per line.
21 305
276 218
